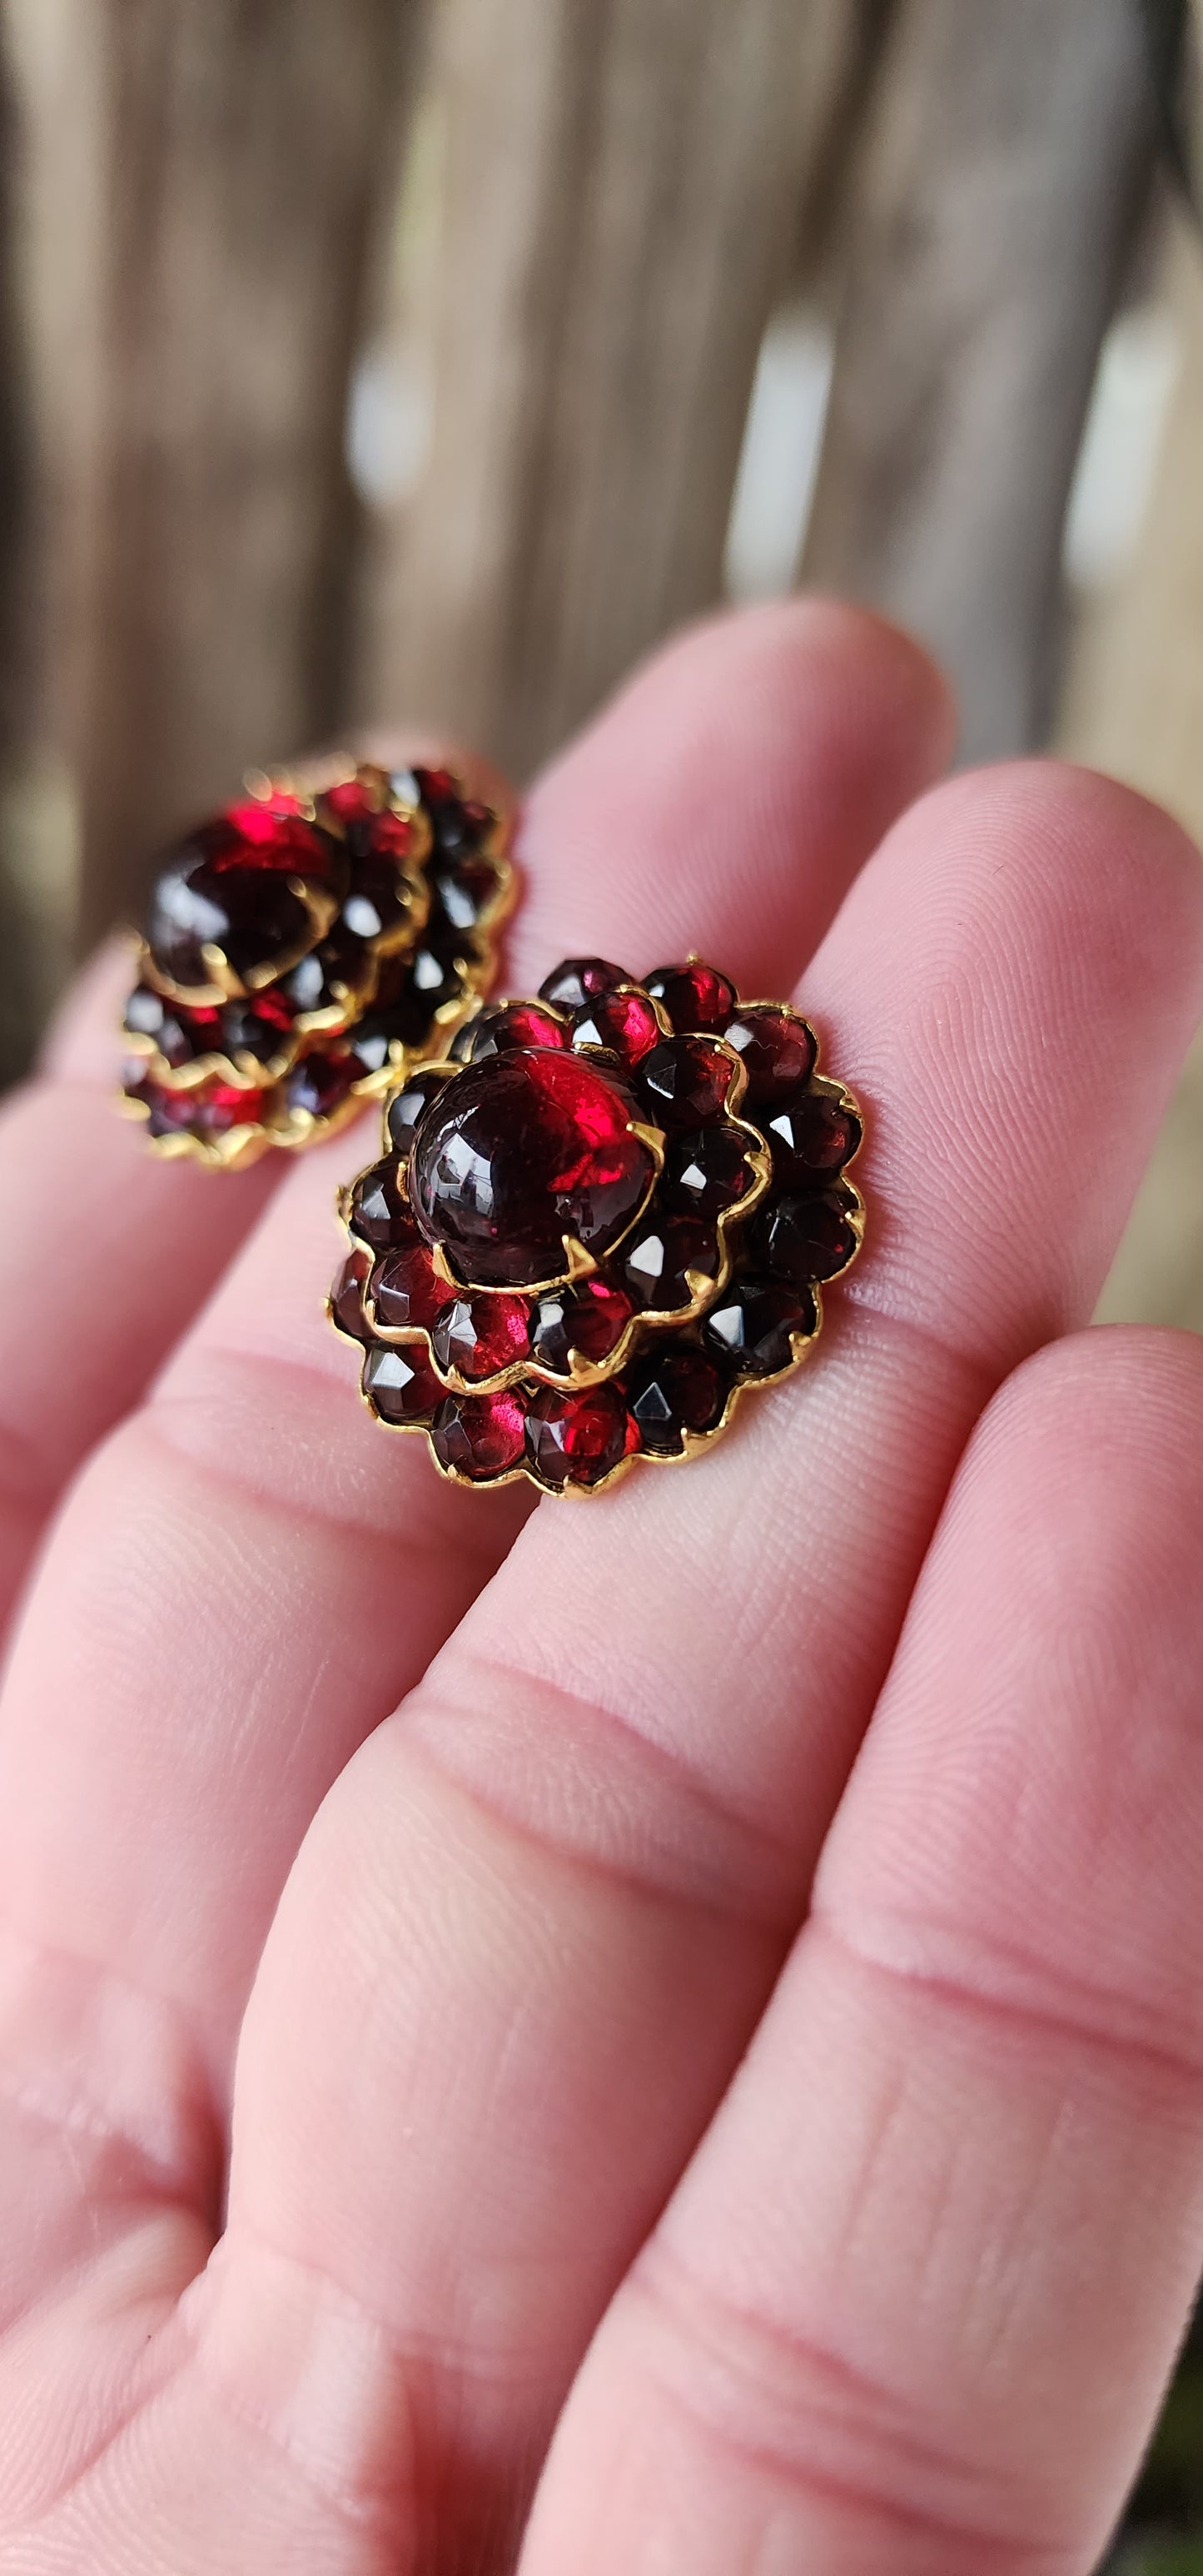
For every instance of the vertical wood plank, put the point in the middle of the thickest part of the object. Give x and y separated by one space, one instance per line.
618 181
248 147
1005 162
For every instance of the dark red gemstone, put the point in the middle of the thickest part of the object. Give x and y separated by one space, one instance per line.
811 1137
624 1023
685 1083
379 1215
672 1392
458 823
577 1439
480 1336
179 1034
579 979
346 1297
401 1382
589 1319
380 900
694 996
706 1172
480 1436
320 1083
520 1151
227 886
805 1236
406 1289
406 1106
258 1028
657 1259
777 1048
464 890
750 1325
511 1024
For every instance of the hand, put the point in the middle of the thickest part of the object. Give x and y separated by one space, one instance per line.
742 2014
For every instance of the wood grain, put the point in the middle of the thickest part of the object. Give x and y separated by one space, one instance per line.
1004 165
617 185
247 145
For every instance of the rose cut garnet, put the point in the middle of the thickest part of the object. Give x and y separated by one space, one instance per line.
705 1172
685 1083
401 1382
672 1392
520 1151
577 1439
778 1051
694 996
811 1137
806 1237
579 979
750 1327
588 1319
481 1336
405 1290
480 1436
624 1023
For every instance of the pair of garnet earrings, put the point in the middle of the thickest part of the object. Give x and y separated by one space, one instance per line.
598 1216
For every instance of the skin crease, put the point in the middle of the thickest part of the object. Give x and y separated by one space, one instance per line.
751 1980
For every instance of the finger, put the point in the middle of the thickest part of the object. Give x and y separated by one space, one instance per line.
914 2305
250 1575
535 1923
105 1254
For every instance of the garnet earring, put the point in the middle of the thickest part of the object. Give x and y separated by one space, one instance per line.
305 946
609 1214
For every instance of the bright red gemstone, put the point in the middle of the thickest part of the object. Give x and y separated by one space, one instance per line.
588 1319
624 1023
511 1024
480 1436
227 887
406 1290
577 1439
520 1151
685 1083
777 1049
480 1336
694 996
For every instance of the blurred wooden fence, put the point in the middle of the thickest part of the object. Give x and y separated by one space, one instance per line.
563 226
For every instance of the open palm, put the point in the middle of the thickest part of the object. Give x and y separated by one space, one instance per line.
692 2003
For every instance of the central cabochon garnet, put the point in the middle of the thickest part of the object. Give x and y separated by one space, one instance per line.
236 885
526 1147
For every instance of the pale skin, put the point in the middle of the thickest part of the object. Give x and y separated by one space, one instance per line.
662 2034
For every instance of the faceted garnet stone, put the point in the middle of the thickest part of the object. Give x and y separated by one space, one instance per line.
529 1146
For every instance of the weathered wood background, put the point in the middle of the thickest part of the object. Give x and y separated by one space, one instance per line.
554 232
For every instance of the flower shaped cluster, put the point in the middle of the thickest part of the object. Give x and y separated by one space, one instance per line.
594 1226
305 946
